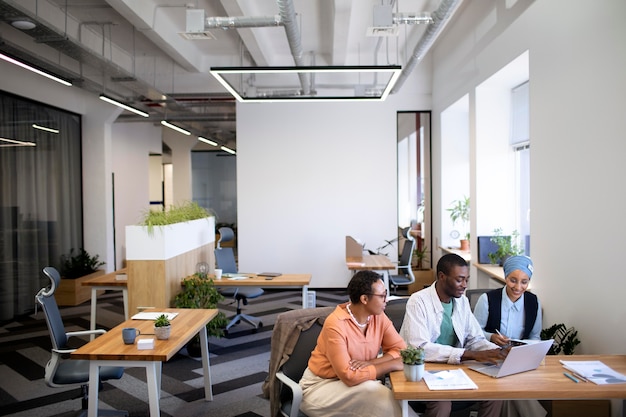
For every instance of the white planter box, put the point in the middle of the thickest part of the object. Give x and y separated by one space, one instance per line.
168 241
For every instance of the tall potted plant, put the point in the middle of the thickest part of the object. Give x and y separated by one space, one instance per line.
460 212
77 267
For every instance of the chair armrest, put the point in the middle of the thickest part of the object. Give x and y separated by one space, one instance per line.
63 351
295 390
85 332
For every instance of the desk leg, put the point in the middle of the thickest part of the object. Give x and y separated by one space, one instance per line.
405 407
305 296
125 298
153 379
386 280
94 378
94 300
206 366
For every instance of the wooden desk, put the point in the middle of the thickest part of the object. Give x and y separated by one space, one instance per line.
110 350
372 263
492 271
545 382
465 254
106 282
284 280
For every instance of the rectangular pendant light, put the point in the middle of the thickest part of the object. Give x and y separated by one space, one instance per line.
205 140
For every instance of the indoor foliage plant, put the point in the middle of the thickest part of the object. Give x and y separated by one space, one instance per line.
460 212
507 246
183 212
413 360
77 264
199 291
565 339
162 327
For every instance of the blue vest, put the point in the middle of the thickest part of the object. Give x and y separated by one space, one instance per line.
495 311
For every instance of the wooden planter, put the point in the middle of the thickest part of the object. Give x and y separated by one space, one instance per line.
72 292
156 262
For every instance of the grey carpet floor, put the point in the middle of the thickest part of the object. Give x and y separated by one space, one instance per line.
239 364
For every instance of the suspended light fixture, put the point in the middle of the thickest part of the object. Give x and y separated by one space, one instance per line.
35 70
45 129
124 106
225 149
176 128
205 140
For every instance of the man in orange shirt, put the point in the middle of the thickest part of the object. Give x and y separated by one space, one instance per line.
341 378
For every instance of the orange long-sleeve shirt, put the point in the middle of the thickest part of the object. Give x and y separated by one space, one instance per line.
341 341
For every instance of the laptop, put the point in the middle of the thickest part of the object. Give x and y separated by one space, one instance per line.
522 358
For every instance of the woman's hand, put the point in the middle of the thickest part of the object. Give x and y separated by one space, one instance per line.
499 339
356 364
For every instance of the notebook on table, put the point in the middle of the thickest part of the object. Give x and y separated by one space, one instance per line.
521 358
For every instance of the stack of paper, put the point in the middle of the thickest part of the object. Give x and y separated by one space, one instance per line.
452 379
594 371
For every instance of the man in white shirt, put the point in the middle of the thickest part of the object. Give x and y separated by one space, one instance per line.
440 320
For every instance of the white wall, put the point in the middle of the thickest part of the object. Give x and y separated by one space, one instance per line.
577 86
308 174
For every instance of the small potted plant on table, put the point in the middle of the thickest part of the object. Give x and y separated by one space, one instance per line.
413 359
162 327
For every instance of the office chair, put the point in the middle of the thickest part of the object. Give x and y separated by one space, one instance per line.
474 294
225 259
405 273
62 372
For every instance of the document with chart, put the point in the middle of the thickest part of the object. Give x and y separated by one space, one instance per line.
452 379
594 371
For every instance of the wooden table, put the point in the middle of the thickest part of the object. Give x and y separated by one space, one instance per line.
284 280
110 350
372 263
495 272
107 282
545 382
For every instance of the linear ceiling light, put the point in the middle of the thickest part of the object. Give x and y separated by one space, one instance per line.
205 140
225 149
46 129
176 128
13 142
334 83
124 106
35 70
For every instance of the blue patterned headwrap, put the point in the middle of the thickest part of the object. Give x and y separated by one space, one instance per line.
521 262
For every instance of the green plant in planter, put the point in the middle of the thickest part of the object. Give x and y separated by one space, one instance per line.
460 211
565 339
161 321
199 292
420 256
175 214
75 265
507 246
412 355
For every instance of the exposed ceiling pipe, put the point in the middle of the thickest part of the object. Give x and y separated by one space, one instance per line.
241 22
440 17
288 16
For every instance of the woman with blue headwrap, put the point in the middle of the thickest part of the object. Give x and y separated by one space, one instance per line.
512 313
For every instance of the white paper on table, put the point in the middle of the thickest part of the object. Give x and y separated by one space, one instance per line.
595 371
152 315
445 380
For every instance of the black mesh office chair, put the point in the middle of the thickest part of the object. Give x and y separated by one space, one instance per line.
225 259
405 273
61 372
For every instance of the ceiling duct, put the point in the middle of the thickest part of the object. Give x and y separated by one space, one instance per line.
440 18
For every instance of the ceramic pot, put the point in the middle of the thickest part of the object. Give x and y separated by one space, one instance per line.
162 333
414 373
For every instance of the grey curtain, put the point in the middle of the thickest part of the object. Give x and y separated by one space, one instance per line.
40 197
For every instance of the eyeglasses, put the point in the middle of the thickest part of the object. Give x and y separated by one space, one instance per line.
383 296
